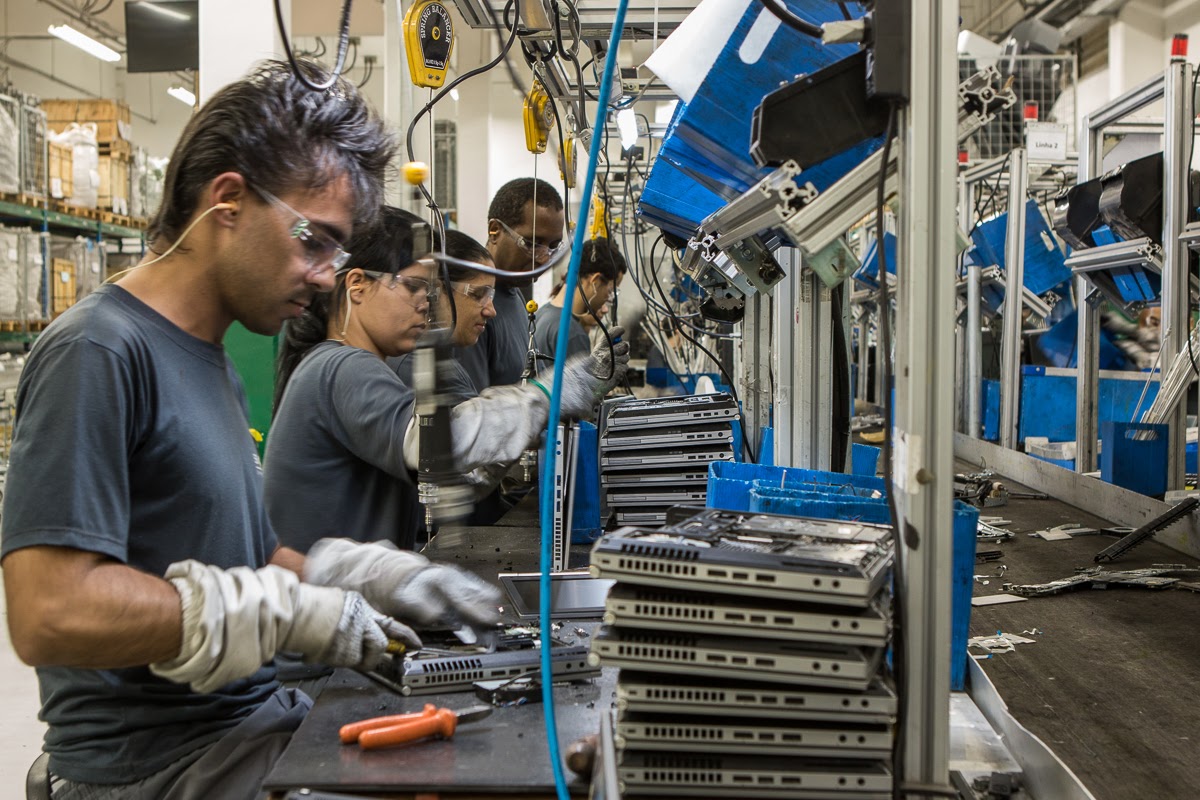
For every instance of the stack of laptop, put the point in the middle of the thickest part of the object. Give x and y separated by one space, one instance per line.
655 453
751 655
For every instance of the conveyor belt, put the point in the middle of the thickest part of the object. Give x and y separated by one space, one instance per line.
1107 683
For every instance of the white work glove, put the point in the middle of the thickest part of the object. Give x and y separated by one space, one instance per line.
610 364
235 620
404 584
503 421
586 379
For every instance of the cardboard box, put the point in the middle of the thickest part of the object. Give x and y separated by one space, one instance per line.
112 117
62 170
62 280
114 184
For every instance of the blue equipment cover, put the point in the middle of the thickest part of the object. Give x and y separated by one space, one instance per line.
1045 266
868 272
705 158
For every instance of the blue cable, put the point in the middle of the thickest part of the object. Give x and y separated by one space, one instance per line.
547 488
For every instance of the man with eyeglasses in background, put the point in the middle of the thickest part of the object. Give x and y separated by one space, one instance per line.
142 576
525 231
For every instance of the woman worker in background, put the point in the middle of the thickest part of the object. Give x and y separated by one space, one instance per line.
343 448
473 294
601 269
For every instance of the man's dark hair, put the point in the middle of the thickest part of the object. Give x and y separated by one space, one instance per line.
278 135
601 255
508 205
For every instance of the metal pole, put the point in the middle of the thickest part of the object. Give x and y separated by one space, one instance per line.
1014 301
974 351
1177 143
864 353
782 356
399 101
755 352
880 355
962 342
923 464
812 380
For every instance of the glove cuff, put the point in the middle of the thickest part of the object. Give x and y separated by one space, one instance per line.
317 613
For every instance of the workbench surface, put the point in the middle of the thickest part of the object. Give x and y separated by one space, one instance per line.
1105 684
502 754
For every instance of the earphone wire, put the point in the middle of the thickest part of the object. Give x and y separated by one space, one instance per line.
116 276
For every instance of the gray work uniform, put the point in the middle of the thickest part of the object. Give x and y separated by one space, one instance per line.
498 357
335 453
132 441
545 334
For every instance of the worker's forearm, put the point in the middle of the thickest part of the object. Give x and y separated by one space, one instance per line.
68 608
289 559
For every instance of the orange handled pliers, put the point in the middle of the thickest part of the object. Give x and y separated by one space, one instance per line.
396 729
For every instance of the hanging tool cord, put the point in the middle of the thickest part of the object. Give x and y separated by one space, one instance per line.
547 487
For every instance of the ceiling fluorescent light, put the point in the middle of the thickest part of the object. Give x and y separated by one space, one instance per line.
454 95
183 95
84 42
167 12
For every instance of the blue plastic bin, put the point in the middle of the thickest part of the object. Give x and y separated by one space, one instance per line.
1139 465
864 459
585 510
730 483
832 495
819 504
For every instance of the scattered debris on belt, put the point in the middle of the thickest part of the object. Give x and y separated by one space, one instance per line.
990 533
1099 578
1000 643
998 599
1000 570
981 489
990 554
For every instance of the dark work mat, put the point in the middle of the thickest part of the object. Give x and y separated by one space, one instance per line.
1105 684
504 753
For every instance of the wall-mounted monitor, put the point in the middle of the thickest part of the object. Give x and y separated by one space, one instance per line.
163 35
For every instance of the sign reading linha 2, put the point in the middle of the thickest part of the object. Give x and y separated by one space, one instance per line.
428 40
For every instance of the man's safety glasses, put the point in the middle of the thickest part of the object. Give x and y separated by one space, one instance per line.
322 250
540 251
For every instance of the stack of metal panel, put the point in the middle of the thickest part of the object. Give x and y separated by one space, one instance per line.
751 655
655 453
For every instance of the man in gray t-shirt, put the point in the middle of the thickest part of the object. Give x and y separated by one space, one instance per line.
525 230
142 577
545 335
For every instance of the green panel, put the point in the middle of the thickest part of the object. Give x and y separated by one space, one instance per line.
254 357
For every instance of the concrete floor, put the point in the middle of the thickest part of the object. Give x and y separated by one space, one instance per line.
20 731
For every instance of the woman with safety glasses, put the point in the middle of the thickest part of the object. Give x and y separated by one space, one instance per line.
473 294
342 449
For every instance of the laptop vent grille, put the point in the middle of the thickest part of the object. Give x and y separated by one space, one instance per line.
675 612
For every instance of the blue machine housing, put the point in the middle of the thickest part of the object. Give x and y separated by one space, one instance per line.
1045 265
868 271
705 157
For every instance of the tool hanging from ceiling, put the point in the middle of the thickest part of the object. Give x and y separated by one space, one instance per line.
428 42
539 118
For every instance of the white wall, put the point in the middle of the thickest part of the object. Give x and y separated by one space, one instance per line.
63 71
